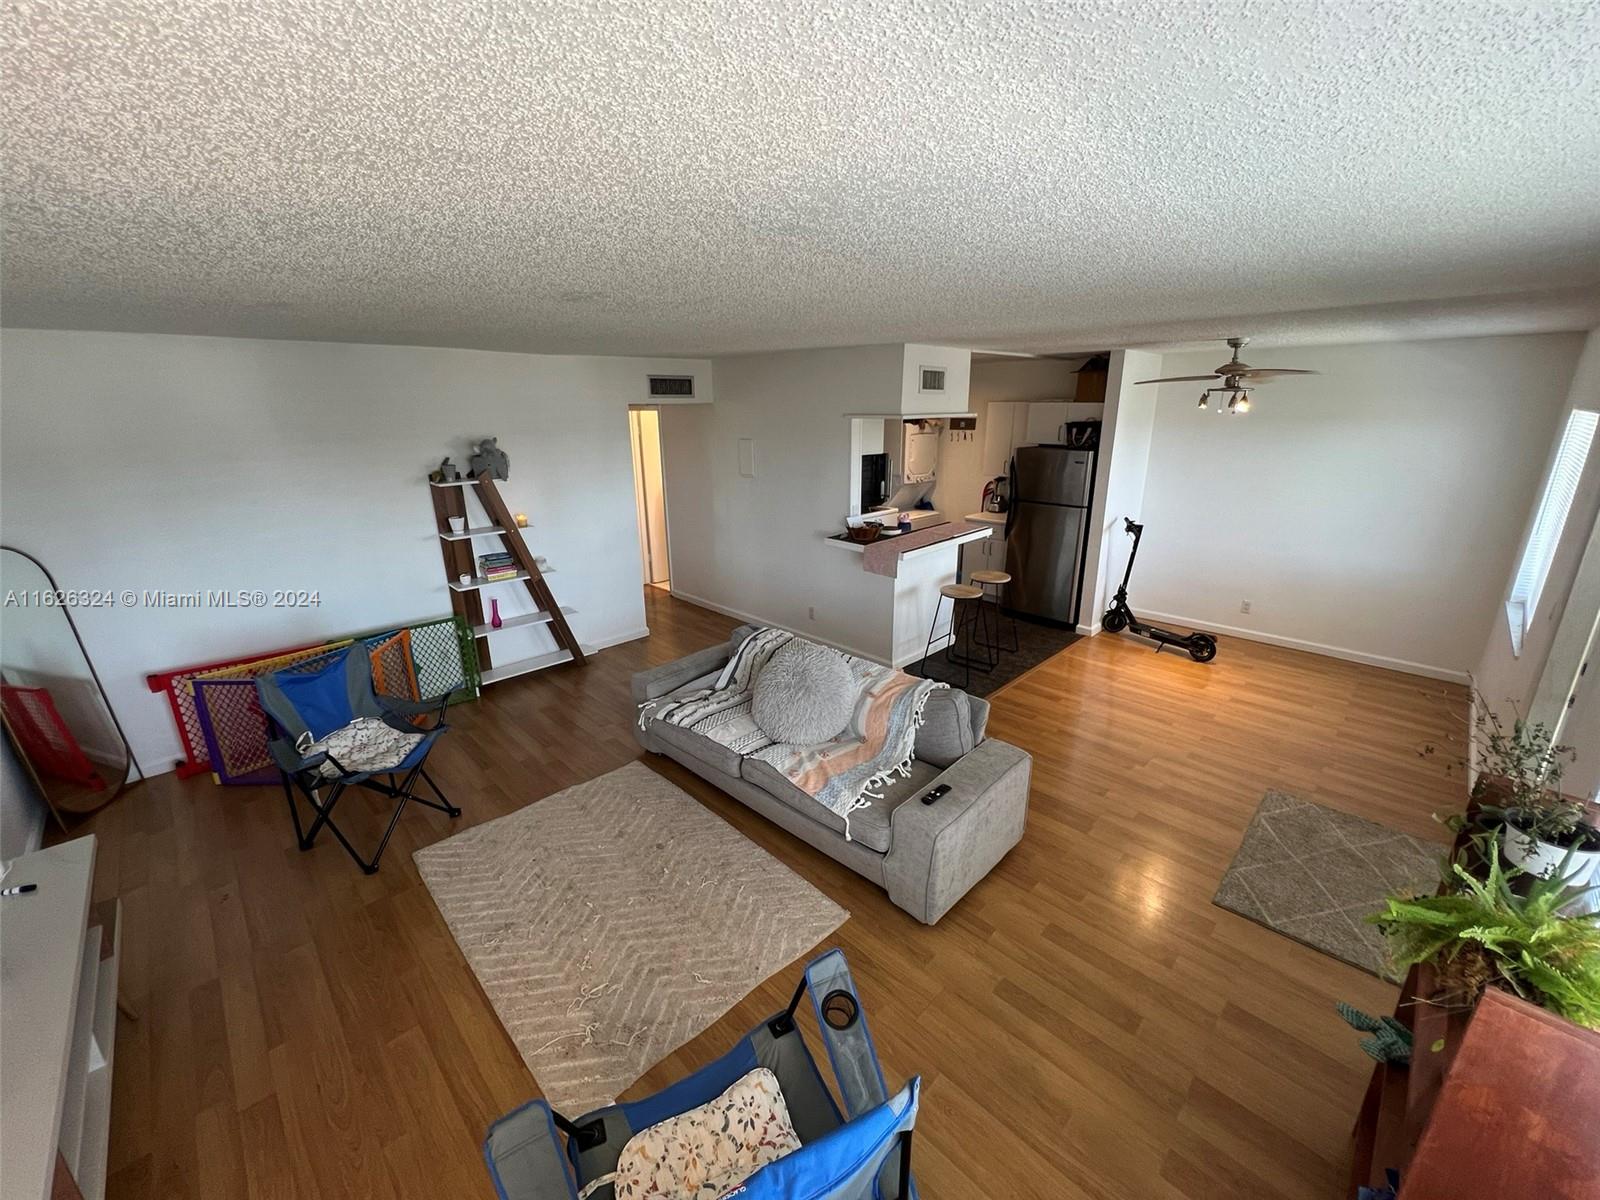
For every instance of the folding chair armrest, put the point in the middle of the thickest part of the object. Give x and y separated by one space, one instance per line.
408 708
526 1157
291 760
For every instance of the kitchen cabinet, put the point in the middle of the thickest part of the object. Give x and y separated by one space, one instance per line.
1005 427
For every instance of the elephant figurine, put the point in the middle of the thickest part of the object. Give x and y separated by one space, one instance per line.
487 456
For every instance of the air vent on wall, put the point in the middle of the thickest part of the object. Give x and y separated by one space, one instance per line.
932 380
676 386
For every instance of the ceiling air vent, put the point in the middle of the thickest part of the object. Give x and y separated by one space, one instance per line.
932 380
678 387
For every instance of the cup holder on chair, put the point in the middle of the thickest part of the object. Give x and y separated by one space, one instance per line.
840 1010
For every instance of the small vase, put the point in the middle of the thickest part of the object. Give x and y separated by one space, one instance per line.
494 614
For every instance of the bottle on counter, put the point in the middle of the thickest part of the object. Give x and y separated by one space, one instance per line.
905 523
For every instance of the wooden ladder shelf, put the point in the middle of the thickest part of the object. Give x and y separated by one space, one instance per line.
449 500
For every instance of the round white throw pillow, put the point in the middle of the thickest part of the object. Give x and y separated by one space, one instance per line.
804 695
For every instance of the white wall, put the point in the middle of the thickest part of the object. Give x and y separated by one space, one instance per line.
957 366
1126 434
1508 681
1370 511
179 463
755 547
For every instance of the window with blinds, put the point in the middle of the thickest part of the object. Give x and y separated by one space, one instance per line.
1560 489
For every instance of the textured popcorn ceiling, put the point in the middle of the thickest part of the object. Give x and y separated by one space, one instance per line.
702 177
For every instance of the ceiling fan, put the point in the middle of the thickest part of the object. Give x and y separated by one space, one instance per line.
1238 378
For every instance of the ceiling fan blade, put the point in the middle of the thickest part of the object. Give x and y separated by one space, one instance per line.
1179 379
1257 374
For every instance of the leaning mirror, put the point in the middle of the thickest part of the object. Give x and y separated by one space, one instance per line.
57 719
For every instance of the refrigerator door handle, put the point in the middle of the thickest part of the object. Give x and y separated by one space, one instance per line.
1011 499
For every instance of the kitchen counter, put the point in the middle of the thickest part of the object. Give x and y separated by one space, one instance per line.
949 533
986 518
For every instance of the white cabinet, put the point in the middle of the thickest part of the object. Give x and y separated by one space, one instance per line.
1005 427
58 1024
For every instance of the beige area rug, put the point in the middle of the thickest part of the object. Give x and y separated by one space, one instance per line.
1315 873
612 922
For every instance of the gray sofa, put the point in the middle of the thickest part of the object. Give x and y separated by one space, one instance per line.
926 856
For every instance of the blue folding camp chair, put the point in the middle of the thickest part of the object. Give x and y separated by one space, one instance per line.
863 1153
321 696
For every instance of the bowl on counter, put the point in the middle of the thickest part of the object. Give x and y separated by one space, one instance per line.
866 531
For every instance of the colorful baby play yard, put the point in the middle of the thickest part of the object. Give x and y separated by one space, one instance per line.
220 721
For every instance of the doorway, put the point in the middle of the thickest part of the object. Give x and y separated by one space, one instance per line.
649 494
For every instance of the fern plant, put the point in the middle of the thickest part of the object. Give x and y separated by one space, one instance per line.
1483 932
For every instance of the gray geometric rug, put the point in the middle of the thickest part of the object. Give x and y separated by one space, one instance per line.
1313 873
612 922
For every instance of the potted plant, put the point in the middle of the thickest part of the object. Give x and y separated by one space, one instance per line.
1521 770
1481 933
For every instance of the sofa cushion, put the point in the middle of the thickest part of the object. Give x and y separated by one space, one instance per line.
980 718
870 825
945 734
804 695
713 754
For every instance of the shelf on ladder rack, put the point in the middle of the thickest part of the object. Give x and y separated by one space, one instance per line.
470 533
525 666
479 582
533 618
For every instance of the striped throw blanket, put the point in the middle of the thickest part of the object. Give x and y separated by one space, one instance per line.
842 775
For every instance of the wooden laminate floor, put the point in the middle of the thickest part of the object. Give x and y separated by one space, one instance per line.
1086 1022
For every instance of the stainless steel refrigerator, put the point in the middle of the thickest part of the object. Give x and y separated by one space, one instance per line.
1047 530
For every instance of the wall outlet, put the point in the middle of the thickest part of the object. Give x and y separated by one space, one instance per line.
811 613
1244 606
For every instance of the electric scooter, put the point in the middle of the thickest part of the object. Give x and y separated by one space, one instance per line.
1202 647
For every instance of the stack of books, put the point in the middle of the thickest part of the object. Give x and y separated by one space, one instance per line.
497 566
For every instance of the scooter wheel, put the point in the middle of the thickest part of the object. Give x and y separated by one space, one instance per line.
1202 648
1114 622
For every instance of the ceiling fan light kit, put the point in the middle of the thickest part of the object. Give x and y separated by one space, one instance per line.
1238 378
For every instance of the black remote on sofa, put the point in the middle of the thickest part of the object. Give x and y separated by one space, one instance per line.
936 793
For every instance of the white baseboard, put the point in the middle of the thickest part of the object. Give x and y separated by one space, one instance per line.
632 635
1426 670
753 619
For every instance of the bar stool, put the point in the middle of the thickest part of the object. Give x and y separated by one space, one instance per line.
996 580
966 611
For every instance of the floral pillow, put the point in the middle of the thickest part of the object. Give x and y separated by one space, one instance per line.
366 744
704 1153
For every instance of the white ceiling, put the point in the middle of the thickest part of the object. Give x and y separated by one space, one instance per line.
705 177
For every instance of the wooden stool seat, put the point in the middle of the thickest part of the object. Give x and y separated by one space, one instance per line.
961 591
991 577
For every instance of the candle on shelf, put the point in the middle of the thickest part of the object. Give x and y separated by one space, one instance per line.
521 519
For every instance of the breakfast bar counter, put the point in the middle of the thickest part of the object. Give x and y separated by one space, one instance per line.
915 566
883 556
